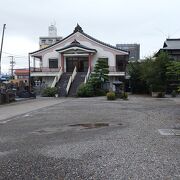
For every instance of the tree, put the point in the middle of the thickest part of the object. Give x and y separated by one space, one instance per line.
94 86
173 70
173 75
100 74
150 74
154 72
135 71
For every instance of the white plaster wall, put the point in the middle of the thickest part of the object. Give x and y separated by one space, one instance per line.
102 51
48 80
100 54
48 55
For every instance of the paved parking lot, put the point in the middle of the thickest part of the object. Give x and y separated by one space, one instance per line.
92 138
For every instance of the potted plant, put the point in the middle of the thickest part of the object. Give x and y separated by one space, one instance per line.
157 90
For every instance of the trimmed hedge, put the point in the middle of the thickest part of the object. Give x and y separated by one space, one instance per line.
85 90
111 96
124 96
49 92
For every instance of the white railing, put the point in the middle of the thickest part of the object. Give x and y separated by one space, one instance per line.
87 76
56 79
74 73
45 69
71 79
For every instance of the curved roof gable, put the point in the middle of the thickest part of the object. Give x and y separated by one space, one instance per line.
79 29
75 45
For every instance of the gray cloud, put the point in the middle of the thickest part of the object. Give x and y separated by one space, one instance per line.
112 21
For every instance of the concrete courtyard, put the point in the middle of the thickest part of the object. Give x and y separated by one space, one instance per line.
90 138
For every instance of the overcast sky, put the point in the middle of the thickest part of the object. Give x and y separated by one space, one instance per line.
112 21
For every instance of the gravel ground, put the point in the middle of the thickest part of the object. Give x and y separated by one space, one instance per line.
49 143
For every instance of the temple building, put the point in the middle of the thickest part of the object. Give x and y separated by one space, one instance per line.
70 61
172 47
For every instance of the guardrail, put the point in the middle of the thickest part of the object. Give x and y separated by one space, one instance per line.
71 79
116 68
56 79
87 76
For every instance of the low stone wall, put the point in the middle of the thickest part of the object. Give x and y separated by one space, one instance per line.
6 98
158 94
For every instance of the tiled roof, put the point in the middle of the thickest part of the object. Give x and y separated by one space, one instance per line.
21 72
79 29
103 43
171 44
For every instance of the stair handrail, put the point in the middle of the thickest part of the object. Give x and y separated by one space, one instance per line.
69 84
57 77
87 76
74 73
71 79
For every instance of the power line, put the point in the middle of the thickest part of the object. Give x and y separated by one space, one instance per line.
15 55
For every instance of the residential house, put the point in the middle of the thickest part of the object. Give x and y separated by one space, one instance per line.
21 74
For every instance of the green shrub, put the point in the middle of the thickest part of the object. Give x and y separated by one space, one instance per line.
173 94
124 96
85 90
49 92
111 96
157 88
161 95
178 89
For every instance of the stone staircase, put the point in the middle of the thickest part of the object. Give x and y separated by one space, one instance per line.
62 84
79 78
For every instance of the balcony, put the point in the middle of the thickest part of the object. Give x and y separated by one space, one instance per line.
116 71
44 71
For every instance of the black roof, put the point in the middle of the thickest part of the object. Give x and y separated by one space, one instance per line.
75 43
79 29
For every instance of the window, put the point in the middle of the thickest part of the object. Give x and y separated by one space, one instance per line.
103 59
121 62
53 63
50 41
43 41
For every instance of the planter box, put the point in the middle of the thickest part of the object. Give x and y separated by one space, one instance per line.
158 94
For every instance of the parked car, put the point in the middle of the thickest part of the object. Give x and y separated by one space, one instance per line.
4 78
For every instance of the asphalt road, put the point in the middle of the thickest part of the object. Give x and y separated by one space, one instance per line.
93 139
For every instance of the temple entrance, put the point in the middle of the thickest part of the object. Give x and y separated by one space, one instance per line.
81 64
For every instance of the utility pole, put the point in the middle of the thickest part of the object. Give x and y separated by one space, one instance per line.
4 26
29 63
12 64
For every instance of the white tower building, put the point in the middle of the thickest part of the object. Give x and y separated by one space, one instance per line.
52 31
51 38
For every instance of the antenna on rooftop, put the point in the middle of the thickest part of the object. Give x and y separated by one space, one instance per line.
169 35
52 30
162 32
54 22
175 32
